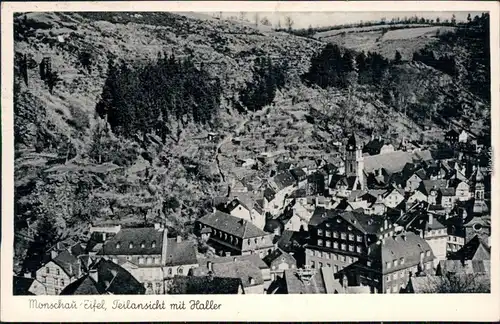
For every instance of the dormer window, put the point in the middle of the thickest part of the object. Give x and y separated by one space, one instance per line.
153 244
118 245
143 244
131 245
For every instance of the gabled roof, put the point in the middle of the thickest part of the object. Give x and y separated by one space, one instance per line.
180 253
111 279
68 262
467 267
298 174
407 245
295 285
21 286
447 191
145 241
373 146
392 161
284 179
475 249
280 256
269 194
205 285
424 284
252 258
246 271
427 185
232 225
367 224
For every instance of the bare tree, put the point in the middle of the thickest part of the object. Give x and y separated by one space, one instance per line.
289 22
256 19
264 21
243 16
452 283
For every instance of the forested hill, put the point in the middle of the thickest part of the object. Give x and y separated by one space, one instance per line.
112 111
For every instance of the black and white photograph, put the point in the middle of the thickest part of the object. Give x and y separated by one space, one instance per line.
273 152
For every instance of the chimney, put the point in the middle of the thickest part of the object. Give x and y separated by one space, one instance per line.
104 237
93 274
234 259
228 253
209 266
179 239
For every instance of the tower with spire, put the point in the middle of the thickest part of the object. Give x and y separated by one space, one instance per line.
477 187
354 164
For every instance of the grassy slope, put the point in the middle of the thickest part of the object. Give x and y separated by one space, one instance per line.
405 40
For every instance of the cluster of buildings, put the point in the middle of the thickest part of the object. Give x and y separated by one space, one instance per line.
385 221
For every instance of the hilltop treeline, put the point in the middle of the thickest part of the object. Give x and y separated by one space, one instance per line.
140 99
414 20
332 68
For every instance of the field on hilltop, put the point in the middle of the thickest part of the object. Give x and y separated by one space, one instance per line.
406 39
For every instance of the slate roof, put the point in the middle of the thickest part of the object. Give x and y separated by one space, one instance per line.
392 161
245 270
298 174
232 225
447 192
279 255
22 285
294 285
180 253
298 193
373 146
269 194
467 267
475 249
427 185
424 284
363 222
407 246
284 179
206 285
112 279
68 262
139 237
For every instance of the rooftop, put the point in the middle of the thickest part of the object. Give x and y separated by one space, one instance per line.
232 225
134 241
205 285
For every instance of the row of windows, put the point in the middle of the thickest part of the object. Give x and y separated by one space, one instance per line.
149 260
342 246
333 256
232 239
437 232
57 282
342 235
395 263
47 270
131 245
336 268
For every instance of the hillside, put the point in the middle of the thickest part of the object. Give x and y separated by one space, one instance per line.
403 38
72 168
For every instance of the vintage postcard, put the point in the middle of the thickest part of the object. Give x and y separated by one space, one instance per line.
159 158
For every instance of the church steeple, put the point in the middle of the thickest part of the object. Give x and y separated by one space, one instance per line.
354 164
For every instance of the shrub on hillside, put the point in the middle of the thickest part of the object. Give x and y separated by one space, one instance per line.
268 77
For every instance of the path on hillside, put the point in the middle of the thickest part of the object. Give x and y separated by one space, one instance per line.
229 138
